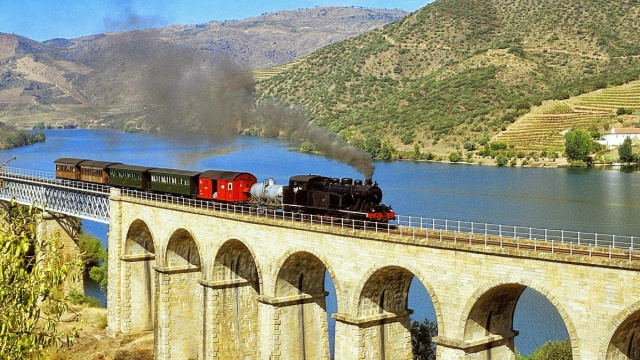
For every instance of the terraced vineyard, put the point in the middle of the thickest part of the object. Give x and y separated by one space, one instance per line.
543 128
265 73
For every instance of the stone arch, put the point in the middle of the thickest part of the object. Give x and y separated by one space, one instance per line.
139 239
623 335
235 260
182 250
385 290
300 306
383 314
489 312
230 298
138 286
421 277
288 255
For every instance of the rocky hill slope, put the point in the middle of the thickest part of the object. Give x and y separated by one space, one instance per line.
99 80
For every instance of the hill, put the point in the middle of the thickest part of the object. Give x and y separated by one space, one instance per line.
99 80
460 71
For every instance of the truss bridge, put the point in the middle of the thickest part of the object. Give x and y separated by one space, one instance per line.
44 190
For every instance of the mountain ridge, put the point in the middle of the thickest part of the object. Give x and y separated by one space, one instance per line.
457 72
95 80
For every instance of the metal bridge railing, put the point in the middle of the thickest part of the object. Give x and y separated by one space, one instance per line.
503 236
522 232
44 177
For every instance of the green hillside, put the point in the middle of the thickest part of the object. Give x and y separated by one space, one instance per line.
461 71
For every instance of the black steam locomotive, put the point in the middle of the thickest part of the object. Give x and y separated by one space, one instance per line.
319 195
306 194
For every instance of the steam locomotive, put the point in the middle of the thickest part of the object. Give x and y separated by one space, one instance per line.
305 194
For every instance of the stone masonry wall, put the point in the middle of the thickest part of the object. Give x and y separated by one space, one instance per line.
594 297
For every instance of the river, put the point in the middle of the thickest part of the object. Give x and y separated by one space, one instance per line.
586 200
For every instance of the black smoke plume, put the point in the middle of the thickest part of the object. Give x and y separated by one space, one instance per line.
278 120
124 18
211 98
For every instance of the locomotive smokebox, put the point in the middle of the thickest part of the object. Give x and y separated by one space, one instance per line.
368 182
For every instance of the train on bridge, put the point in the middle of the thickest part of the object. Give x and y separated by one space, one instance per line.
305 194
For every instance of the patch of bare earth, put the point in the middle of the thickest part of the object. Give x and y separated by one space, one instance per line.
94 344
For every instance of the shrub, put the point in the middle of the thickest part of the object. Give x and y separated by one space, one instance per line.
428 156
308 147
76 297
517 51
102 321
623 111
455 157
469 145
501 159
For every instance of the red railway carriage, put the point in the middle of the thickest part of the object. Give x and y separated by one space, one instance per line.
68 168
229 186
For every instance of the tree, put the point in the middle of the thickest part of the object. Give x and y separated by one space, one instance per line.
32 274
94 256
421 344
416 152
625 151
578 144
551 350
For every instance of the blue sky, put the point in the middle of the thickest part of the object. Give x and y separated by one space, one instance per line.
47 19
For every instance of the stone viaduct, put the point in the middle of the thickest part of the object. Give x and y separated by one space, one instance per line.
218 285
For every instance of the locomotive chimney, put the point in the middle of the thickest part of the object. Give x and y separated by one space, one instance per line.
368 182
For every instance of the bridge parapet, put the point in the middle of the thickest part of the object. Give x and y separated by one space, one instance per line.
555 245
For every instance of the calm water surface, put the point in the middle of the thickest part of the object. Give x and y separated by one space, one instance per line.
602 201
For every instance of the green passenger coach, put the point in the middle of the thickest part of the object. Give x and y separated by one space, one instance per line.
130 176
181 182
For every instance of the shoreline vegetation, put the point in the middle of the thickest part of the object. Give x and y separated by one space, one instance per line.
11 137
492 154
